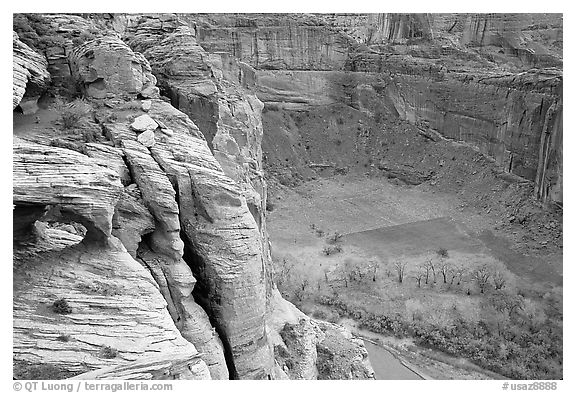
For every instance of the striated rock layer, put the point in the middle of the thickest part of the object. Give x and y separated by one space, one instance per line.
29 71
116 317
46 176
223 216
161 248
468 77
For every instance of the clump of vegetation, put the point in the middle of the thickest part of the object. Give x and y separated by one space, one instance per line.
320 314
442 252
73 114
85 36
27 371
334 238
301 290
61 306
514 340
319 232
63 337
107 352
329 250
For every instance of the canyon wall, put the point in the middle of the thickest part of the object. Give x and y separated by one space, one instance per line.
469 77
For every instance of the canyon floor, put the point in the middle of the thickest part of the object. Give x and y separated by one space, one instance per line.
383 224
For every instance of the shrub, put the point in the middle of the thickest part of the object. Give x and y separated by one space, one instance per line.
108 352
329 250
442 252
61 306
334 238
63 337
320 314
73 114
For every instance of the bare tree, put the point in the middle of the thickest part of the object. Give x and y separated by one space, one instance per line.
400 267
481 276
419 275
427 268
431 268
358 272
301 289
374 270
499 280
284 272
456 274
445 269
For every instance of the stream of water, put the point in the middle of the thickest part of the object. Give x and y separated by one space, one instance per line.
385 365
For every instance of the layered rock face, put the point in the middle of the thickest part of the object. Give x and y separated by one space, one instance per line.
468 77
399 27
225 245
30 73
115 314
273 41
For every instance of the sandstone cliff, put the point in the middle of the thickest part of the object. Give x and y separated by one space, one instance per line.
176 199
469 77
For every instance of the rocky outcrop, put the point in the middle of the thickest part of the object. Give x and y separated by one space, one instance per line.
229 118
309 349
227 115
341 355
158 247
29 71
83 191
166 366
222 241
107 67
110 312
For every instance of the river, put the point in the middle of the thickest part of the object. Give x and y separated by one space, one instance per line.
385 365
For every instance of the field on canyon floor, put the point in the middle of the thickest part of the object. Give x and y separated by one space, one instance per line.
341 243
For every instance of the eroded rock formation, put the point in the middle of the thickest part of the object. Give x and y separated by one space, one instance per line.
30 72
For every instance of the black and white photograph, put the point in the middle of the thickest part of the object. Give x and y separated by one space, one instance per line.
286 196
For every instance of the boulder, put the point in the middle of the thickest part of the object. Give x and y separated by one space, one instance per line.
46 175
107 67
146 104
144 123
147 138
